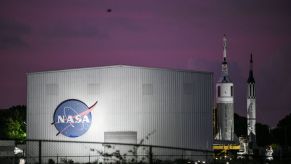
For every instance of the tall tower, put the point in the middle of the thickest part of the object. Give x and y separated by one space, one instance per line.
251 106
224 101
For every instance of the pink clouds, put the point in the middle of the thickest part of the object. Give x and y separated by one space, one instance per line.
173 34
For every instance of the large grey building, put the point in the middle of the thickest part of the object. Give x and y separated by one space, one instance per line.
124 104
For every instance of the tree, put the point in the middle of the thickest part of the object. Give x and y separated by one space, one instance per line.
263 135
12 122
282 133
15 129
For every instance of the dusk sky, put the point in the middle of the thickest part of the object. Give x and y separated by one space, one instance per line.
52 35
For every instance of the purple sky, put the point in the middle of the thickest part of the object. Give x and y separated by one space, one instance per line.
51 35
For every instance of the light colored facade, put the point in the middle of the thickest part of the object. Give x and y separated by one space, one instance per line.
173 106
224 102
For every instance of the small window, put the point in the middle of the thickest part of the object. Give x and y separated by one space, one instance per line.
93 89
218 91
147 89
52 89
231 91
188 88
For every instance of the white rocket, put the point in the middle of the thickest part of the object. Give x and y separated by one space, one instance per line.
251 105
224 101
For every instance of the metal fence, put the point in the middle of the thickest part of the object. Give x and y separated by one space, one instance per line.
67 152
72 152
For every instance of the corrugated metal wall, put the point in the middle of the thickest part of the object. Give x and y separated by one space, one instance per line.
174 106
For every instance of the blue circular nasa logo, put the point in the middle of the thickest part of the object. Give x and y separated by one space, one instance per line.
73 118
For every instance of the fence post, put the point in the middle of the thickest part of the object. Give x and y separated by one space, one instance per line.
57 158
89 159
151 155
39 151
206 157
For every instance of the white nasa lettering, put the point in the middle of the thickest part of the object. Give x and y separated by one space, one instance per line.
70 119
78 119
61 119
73 119
85 119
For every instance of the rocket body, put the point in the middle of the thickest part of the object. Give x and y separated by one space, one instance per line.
224 102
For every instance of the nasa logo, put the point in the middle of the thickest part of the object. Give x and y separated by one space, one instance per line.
73 118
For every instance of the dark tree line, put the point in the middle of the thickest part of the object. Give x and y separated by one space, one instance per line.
13 123
282 133
265 135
